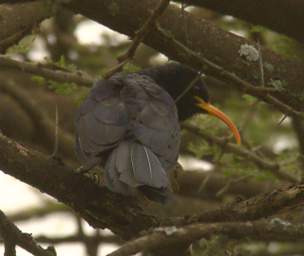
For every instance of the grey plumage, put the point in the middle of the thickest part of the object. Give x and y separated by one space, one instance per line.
130 125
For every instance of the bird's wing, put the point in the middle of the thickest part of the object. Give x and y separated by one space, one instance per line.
101 121
156 125
133 166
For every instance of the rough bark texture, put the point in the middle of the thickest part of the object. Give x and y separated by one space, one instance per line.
101 208
190 183
205 38
283 16
17 20
260 230
202 36
125 216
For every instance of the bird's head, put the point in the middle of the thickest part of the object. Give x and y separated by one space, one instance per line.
190 93
199 96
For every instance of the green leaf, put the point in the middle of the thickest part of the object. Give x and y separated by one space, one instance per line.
23 46
39 80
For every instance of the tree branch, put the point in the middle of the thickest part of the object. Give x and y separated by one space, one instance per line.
139 37
44 71
190 183
76 239
286 16
43 124
273 167
209 41
36 212
12 29
171 236
218 71
98 206
13 236
103 209
219 47
254 208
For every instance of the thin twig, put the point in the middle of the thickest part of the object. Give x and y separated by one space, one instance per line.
12 39
39 118
170 236
231 182
56 143
13 236
38 211
185 22
188 88
77 239
273 167
261 65
138 38
260 92
38 169
42 70
253 106
145 29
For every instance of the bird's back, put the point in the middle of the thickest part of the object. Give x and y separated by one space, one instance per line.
133 123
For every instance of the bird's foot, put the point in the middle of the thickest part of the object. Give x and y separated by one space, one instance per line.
90 164
56 158
94 174
82 169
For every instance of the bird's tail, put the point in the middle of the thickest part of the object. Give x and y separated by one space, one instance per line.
133 166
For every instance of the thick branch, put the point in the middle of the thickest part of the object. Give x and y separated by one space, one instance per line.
44 71
44 125
203 37
261 206
212 43
37 212
12 29
138 38
103 209
283 16
76 239
171 236
273 167
13 236
98 206
207 185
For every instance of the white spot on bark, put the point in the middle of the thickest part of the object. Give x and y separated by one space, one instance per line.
249 52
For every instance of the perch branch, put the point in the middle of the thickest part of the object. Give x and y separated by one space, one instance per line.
139 37
13 236
42 70
163 237
273 167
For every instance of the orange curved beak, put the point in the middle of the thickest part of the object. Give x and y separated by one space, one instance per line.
220 115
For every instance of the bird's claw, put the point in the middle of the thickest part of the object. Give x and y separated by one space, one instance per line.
93 174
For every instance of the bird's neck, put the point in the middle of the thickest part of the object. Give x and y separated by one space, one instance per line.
174 78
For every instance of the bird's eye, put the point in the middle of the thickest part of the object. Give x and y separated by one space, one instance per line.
196 87
201 90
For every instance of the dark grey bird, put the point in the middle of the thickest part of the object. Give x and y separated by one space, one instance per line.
129 124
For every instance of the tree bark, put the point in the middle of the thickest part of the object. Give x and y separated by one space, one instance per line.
203 37
283 16
13 29
100 207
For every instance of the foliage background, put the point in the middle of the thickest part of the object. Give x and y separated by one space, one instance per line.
71 43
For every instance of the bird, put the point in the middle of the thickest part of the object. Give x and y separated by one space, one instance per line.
130 125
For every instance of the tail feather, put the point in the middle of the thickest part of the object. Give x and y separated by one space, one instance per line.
146 167
112 180
156 194
133 166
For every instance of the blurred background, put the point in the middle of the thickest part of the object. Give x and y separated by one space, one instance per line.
212 173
